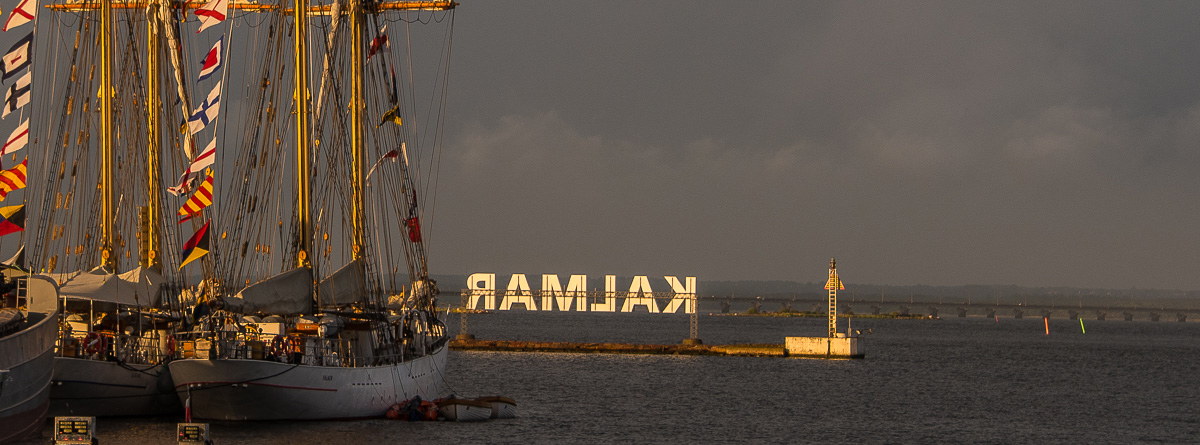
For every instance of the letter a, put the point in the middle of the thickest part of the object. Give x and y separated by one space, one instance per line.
518 292
640 286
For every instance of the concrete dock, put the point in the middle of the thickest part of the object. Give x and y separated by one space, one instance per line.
825 347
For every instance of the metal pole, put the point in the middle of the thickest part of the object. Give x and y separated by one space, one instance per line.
695 321
462 330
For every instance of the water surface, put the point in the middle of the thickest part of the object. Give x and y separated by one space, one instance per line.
951 380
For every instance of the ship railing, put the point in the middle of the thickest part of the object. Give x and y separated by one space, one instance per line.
313 351
149 348
406 349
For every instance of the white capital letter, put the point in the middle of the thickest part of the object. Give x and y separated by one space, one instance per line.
518 292
552 292
684 295
640 286
610 295
576 287
550 289
482 285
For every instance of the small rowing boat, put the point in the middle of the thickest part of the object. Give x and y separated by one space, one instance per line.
502 407
464 410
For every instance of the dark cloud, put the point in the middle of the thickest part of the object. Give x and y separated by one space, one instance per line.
919 142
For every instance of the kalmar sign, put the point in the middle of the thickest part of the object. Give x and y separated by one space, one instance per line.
575 296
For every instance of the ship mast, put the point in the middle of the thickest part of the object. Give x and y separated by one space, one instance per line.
303 193
357 151
107 158
300 11
149 258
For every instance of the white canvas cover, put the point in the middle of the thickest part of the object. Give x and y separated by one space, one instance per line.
18 259
189 297
290 292
396 302
346 285
420 289
138 287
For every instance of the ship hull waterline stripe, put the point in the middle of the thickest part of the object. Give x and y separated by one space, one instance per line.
86 382
202 386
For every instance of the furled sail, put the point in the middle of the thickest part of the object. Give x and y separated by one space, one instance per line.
288 293
138 287
170 28
326 69
346 285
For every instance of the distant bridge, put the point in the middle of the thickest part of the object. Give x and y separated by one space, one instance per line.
949 310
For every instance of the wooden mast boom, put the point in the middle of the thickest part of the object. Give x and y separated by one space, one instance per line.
262 7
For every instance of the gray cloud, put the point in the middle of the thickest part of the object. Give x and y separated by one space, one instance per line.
919 142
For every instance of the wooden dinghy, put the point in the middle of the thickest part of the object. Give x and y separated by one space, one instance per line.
464 410
502 407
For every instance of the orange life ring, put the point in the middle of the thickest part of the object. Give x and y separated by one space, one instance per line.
296 344
93 342
279 346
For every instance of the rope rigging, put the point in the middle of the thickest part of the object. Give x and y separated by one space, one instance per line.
253 212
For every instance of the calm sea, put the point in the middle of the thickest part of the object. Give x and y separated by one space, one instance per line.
952 380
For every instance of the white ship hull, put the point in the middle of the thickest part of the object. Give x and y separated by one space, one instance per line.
85 387
247 389
27 356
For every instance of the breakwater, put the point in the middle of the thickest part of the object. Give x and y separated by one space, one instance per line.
741 350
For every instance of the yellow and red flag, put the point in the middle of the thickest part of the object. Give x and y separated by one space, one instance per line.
12 179
199 200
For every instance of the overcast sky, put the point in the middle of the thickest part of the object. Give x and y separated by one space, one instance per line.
942 143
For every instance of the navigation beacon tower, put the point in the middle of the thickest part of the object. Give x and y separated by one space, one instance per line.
833 285
834 345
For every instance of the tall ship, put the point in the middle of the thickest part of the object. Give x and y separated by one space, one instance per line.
315 300
92 119
216 252
28 326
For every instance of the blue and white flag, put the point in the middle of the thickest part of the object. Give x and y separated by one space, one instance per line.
17 57
206 112
17 95
212 62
